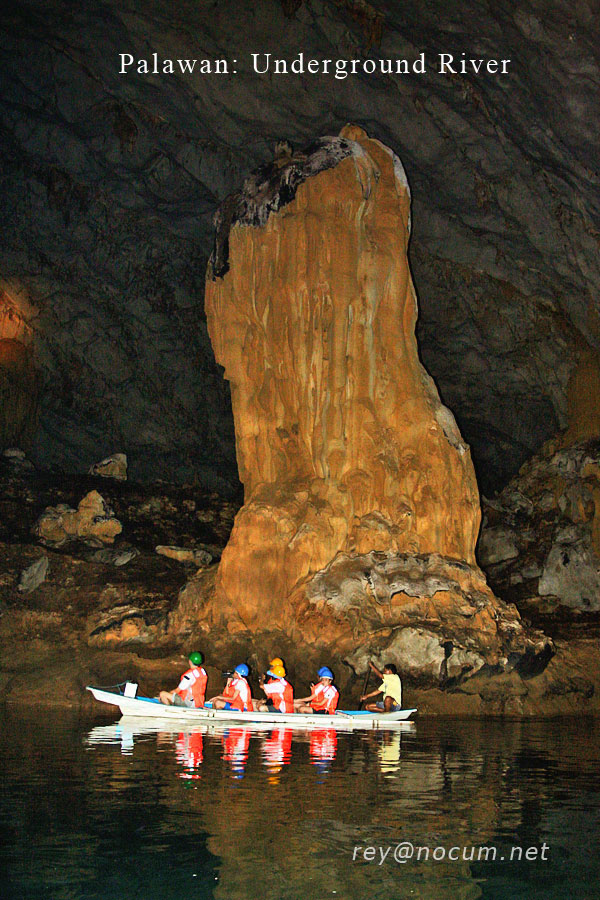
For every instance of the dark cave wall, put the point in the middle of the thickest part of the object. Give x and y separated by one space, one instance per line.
109 184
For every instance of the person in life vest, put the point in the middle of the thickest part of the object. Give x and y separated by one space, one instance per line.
324 695
390 687
191 689
237 693
280 693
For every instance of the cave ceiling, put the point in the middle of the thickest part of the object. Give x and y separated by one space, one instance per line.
109 183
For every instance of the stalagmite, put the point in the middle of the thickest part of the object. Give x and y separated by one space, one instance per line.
360 494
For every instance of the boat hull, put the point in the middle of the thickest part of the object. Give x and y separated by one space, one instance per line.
149 708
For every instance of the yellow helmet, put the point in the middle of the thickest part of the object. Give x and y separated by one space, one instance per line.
277 671
275 662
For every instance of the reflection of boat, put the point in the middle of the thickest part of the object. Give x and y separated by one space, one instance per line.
151 708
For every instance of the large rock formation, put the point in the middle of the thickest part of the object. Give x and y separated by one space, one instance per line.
361 507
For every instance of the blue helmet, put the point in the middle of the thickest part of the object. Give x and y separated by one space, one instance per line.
242 670
325 672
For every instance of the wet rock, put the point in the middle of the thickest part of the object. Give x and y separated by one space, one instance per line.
92 522
418 653
572 571
193 556
114 466
115 557
34 575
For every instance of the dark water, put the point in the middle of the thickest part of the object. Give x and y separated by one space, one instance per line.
124 811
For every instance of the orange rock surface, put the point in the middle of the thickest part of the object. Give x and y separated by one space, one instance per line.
344 448
342 442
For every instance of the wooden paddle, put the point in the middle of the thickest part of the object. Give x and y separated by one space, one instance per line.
364 690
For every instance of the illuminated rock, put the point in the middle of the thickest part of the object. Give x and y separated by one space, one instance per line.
352 468
92 522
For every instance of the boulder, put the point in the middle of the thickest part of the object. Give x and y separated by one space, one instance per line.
114 466
92 522
34 575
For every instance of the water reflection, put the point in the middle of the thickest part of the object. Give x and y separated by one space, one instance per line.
275 744
323 747
128 810
190 753
277 752
236 742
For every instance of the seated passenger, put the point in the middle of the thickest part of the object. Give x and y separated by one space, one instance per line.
237 693
191 689
280 693
324 695
390 687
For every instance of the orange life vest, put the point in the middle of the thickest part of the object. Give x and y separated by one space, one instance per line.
325 698
281 693
193 685
239 694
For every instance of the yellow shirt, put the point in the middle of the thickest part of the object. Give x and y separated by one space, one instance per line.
392 687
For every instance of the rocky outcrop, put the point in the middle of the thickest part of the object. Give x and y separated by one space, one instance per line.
540 542
361 507
194 556
92 522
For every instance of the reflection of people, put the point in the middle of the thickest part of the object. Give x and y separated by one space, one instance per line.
237 693
190 752
324 695
191 689
389 751
236 742
280 694
390 687
277 749
323 747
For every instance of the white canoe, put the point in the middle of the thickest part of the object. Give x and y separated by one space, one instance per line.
150 708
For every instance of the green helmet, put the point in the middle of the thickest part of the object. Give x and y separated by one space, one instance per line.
195 658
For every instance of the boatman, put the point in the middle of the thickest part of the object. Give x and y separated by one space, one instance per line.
324 695
280 693
390 687
237 693
191 689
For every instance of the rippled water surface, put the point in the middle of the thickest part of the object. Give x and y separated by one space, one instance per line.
128 810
